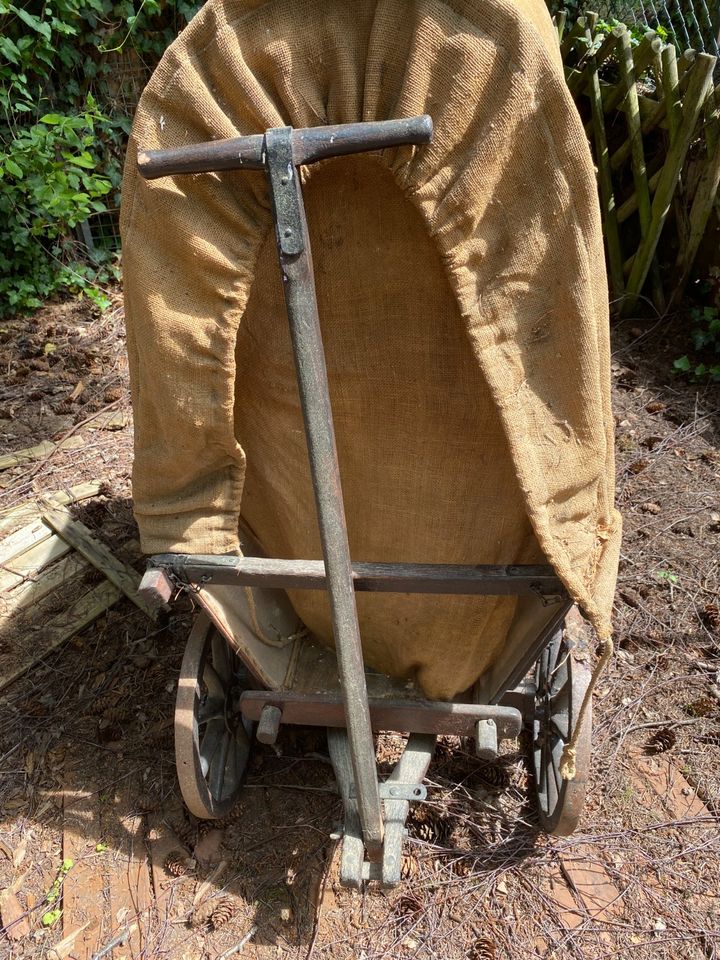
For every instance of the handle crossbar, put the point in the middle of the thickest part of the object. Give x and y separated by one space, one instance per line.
309 145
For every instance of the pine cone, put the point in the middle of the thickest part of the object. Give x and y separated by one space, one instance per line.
185 832
106 701
202 913
176 863
496 776
710 616
147 802
483 949
409 866
662 740
702 707
224 911
116 714
205 826
429 826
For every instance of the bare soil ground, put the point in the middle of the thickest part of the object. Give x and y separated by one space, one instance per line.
90 777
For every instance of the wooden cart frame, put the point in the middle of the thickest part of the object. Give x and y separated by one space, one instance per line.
217 705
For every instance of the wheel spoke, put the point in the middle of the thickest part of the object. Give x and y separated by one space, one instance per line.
209 743
543 765
553 652
212 709
221 659
213 682
560 725
216 773
560 684
556 756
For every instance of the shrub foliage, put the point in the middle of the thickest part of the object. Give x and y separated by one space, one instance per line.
63 121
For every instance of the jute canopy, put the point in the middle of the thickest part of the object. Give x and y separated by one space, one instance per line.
463 303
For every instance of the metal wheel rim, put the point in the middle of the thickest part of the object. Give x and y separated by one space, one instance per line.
561 682
212 740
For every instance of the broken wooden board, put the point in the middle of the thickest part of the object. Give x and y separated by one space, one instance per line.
80 537
110 420
127 868
23 539
40 450
15 517
29 594
30 562
57 631
583 895
161 843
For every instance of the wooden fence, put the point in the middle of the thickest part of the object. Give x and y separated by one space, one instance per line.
653 119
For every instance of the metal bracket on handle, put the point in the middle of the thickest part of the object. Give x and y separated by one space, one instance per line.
285 191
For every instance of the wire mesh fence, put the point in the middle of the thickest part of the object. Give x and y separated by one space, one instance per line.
685 23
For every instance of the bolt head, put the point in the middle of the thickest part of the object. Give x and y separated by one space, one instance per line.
287 232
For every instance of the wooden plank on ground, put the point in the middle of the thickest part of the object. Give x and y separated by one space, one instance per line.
84 906
39 451
30 593
581 891
15 517
32 561
57 631
127 869
81 538
23 539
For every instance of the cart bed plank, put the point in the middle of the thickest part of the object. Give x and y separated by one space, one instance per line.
314 671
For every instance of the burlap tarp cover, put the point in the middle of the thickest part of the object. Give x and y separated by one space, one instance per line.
462 296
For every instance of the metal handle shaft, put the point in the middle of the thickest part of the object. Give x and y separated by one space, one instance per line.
308 146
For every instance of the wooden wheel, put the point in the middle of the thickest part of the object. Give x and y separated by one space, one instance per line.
212 739
561 681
